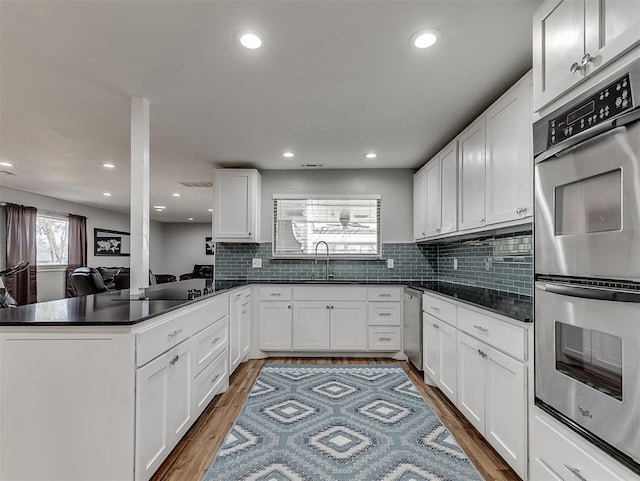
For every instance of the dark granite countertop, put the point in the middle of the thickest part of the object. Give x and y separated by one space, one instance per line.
117 309
108 308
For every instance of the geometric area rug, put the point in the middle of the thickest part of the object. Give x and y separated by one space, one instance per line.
338 423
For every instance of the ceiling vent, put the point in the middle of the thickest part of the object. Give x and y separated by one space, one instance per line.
196 184
311 166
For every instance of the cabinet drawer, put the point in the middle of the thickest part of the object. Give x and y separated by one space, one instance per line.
211 311
554 457
155 340
384 339
213 380
275 293
385 293
499 334
384 313
209 343
443 310
330 293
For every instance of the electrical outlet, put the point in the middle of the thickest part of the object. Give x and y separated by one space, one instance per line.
256 263
390 263
455 264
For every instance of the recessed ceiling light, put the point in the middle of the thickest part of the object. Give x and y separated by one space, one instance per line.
175 194
371 155
6 164
159 207
190 218
425 38
107 165
107 194
288 155
210 210
250 41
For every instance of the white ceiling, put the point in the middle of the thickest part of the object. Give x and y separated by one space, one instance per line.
333 80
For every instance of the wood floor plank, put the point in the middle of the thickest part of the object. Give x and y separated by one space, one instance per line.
194 453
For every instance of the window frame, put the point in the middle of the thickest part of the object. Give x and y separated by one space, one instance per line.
57 216
361 257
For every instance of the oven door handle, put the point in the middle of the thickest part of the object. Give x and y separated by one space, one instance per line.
588 292
595 134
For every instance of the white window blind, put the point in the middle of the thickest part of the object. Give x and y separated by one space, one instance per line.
52 237
350 225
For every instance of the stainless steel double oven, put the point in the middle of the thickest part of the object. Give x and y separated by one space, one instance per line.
587 264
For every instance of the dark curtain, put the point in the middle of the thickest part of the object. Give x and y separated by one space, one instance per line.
20 223
77 249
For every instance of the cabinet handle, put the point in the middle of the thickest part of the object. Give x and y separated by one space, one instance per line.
214 378
436 326
332 307
575 67
289 306
276 294
519 210
174 360
437 309
482 353
586 59
438 229
328 307
480 328
576 472
248 234
213 341
174 333
384 314
384 295
482 220
385 339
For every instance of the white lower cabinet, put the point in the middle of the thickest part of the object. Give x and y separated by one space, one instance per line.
492 394
348 326
311 326
275 325
440 362
239 327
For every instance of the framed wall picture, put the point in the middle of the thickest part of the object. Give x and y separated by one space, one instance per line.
209 248
110 242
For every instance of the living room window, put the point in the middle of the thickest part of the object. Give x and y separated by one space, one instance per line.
350 225
52 237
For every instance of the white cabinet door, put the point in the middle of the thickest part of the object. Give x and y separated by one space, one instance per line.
179 405
419 205
471 380
472 175
611 27
311 325
449 188
275 324
235 326
506 408
152 443
236 201
348 326
508 163
448 361
245 327
558 43
433 220
431 346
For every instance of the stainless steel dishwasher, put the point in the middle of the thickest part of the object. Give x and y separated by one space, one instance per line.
412 326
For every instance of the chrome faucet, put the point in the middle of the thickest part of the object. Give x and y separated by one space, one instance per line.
316 257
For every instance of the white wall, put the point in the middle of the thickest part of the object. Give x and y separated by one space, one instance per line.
394 185
51 283
184 246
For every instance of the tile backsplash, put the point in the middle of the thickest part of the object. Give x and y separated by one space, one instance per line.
499 262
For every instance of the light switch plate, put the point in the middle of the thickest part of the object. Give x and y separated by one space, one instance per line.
256 263
390 263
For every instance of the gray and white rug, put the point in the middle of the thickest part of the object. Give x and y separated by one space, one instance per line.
338 423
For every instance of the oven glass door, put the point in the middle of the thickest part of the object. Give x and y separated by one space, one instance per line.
587 215
586 363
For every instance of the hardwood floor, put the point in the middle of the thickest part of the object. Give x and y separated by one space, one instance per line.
193 455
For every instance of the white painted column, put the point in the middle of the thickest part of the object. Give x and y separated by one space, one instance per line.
139 261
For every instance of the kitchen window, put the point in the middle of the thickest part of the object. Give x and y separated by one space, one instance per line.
52 236
350 225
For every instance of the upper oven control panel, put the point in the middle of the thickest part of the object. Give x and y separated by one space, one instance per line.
607 103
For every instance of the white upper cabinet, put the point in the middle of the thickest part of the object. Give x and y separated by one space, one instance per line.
236 216
574 38
449 188
508 162
432 174
419 205
472 175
